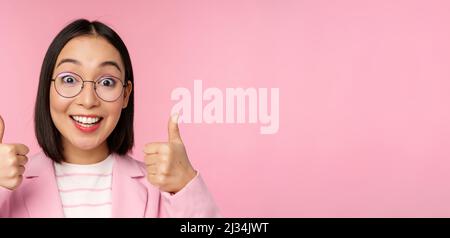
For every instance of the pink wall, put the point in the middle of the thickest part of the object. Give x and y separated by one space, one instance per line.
364 115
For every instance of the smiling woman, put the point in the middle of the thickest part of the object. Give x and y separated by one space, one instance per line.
84 124
71 97
91 50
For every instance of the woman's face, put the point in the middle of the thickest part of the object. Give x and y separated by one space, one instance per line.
91 58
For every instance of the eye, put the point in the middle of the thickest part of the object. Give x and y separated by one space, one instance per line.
68 79
107 82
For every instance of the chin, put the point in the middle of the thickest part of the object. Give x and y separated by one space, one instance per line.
85 144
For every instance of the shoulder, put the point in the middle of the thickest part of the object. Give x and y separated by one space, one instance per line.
133 167
37 158
37 163
129 160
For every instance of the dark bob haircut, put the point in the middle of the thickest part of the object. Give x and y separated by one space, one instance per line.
121 140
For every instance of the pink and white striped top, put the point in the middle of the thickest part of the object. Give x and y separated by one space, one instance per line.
85 190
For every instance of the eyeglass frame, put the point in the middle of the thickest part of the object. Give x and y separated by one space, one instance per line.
90 81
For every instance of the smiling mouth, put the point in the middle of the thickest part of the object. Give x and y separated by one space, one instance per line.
86 121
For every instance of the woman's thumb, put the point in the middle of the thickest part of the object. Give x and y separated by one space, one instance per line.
2 129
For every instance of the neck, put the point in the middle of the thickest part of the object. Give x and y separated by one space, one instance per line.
75 155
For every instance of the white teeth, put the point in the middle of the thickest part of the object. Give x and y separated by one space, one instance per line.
86 120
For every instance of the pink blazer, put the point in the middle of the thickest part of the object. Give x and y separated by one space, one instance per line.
132 195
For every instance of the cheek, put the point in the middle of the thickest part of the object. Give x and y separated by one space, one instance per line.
58 107
111 121
114 111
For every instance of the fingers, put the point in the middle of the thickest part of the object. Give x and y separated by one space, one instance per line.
20 170
14 149
2 129
22 160
152 170
174 131
167 164
21 149
156 147
17 160
12 161
151 159
157 164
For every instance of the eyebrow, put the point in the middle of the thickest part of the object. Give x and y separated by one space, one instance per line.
112 63
103 64
68 61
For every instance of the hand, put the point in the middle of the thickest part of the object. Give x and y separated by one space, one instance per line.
12 161
168 166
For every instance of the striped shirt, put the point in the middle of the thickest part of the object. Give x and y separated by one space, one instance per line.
85 190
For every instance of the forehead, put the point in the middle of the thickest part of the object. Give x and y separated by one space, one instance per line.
90 50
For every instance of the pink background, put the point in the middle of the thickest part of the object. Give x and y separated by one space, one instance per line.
364 96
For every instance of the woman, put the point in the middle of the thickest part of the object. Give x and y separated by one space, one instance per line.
84 125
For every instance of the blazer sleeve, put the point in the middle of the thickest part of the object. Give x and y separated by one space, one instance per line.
194 200
5 199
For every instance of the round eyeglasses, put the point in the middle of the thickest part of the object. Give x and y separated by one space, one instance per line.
108 88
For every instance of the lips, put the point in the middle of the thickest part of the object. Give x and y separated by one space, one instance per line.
86 123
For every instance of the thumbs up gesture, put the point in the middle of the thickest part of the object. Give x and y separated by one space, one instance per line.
168 166
12 161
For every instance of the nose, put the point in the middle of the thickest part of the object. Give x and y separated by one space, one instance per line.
87 97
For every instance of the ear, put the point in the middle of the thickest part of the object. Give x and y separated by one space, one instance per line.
127 92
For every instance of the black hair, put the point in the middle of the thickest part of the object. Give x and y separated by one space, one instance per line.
121 139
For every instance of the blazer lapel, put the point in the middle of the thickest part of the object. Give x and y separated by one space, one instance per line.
129 195
42 199
41 195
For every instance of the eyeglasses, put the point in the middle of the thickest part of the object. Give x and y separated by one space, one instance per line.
108 88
